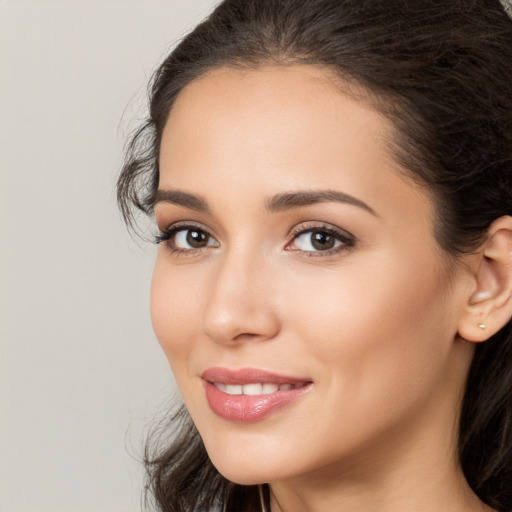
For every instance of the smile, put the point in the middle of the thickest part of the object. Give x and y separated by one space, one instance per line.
262 388
248 395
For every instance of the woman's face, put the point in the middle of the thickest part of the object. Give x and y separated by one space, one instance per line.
304 305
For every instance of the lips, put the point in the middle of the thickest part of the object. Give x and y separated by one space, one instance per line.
249 395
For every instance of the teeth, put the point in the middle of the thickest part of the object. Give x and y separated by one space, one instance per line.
256 388
253 389
269 388
233 389
221 386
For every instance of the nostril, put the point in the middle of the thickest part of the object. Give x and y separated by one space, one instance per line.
248 329
246 336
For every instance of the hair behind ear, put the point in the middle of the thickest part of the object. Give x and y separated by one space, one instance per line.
485 442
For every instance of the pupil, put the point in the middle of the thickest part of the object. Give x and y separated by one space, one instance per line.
196 239
322 241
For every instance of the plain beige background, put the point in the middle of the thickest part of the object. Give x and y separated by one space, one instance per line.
81 373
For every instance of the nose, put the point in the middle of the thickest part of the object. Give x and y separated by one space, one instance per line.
241 302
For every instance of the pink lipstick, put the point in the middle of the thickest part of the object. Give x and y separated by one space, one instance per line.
248 395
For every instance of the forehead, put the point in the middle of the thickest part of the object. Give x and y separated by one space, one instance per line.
273 129
259 110
272 97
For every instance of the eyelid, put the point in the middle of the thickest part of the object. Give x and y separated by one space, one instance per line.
167 233
348 240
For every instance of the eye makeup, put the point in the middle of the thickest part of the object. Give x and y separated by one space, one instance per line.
312 239
177 236
325 239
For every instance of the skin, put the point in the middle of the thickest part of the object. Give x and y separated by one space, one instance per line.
374 325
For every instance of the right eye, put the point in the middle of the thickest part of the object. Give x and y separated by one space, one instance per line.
186 238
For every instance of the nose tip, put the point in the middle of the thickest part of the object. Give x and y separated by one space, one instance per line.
233 326
240 307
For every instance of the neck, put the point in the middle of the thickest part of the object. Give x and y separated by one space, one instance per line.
447 492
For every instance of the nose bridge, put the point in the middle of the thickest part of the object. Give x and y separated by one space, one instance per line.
239 304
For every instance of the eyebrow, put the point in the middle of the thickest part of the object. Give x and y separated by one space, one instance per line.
277 203
289 200
181 199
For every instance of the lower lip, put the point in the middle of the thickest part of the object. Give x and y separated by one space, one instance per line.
249 408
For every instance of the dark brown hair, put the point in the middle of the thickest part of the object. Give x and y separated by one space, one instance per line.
441 70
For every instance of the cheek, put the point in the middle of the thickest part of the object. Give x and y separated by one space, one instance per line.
379 347
173 305
372 328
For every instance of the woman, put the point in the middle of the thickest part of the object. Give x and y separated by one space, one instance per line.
332 183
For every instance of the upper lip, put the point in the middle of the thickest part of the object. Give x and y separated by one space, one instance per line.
248 376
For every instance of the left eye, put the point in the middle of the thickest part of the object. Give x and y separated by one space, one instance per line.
192 239
318 240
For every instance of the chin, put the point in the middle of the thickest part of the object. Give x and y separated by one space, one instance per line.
244 469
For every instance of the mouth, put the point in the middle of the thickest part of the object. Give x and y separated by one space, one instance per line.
248 395
255 389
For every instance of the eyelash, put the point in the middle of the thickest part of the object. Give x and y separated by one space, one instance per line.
347 240
167 236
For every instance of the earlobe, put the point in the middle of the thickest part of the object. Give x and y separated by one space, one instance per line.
489 307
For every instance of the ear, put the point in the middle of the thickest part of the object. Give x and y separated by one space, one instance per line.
489 306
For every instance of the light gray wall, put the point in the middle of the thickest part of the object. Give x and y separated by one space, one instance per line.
80 370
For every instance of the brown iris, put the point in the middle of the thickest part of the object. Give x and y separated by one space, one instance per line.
322 241
197 238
